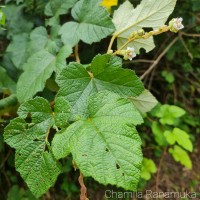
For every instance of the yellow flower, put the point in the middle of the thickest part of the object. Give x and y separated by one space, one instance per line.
109 3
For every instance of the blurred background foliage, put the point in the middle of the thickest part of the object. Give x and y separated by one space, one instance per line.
174 80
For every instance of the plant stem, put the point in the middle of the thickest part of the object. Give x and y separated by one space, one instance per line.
111 43
124 45
76 54
83 195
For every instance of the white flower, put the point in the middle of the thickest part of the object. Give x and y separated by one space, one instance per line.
129 53
176 24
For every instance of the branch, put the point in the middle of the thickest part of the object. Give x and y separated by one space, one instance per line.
158 59
190 34
186 48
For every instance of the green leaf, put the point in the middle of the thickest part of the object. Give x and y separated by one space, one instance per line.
88 29
101 62
179 136
2 18
64 53
105 144
105 77
36 165
180 155
169 77
62 112
55 8
148 168
38 40
158 134
6 82
18 48
169 114
38 108
16 21
144 102
37 70
149 14
58 7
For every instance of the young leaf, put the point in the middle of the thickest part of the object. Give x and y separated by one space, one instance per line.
181 156
144 102
169 114
93 23
105 77
105 145
148 168
149 14
36 165
179 136
158 134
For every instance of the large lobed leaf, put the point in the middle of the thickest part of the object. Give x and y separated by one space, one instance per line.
105 144
76 84
148 14
92 23
37 166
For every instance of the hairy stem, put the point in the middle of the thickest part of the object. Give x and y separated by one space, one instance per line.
83 195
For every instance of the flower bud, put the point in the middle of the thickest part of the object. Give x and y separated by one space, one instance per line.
141 32
176 24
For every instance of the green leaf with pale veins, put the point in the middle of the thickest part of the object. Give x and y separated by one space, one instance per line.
148 14
37 70
105 144
76 84
36 165
92 23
